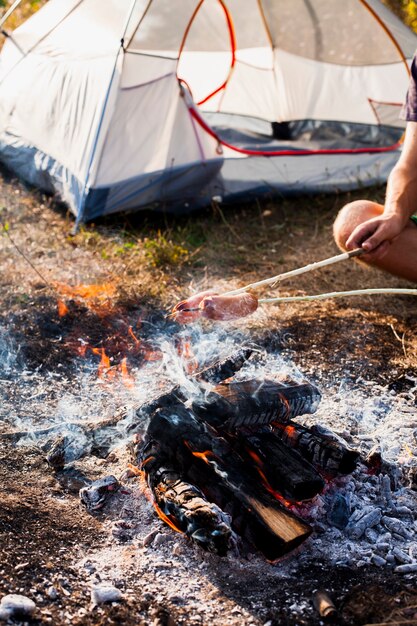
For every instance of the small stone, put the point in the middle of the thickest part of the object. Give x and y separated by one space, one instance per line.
177 549
161 538
378 560
148 539
15 605
101 594
52 593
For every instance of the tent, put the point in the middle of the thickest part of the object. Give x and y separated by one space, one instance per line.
126 104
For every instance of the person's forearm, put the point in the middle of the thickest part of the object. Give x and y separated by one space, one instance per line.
401 197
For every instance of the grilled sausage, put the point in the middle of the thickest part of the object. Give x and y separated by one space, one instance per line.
222 308
193 302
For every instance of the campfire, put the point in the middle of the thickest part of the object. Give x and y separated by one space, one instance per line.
228 464
231 462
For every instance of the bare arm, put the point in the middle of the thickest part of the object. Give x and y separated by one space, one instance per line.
376 234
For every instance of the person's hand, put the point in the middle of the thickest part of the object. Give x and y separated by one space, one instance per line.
376 235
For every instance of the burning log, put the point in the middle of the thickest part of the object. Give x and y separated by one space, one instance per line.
255 403
320 447
200 456
226 368
182 505
214 373
283 469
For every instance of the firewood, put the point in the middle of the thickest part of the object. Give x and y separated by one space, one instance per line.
203 458
320 447
183 506
214 373
226 368
255 403
284 469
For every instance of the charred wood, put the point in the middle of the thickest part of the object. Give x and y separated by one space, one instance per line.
225 368
203 458
255 403
214 373
283 468
184 505
320 447
95 495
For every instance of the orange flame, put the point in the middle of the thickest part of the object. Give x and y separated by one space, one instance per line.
62 308
166 519
265 482
96 297
127 379
104 365
132 334
104 291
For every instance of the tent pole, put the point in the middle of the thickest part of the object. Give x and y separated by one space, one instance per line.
81 206
9 12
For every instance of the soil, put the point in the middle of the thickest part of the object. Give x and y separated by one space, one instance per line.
44 534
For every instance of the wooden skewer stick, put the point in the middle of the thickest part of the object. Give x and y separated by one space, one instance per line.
340 294
301 270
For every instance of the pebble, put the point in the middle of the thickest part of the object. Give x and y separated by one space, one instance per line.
161 538
378 560
148 539
15 605
105 593
52 593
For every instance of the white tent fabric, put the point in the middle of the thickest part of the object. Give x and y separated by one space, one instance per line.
129 104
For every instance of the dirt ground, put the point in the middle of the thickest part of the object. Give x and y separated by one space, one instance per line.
151 261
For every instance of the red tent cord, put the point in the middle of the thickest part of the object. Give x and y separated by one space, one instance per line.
232 35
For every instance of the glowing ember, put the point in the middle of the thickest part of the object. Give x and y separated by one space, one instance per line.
204 455
132 334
